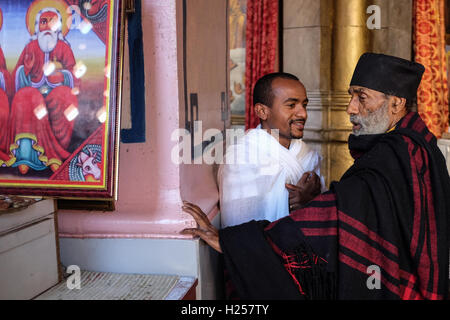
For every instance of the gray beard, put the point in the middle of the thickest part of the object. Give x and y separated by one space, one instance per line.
47 42
374 123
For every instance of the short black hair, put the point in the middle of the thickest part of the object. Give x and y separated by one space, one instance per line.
262 92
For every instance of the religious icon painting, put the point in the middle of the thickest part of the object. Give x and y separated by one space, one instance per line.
237 20
60 82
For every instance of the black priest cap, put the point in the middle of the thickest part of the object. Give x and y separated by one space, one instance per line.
390 75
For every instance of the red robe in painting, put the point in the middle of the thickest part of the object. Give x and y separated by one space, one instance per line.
5 86
50 133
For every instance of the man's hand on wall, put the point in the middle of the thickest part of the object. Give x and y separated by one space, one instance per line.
205 229
306 189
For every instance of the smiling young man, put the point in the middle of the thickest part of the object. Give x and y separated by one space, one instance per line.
381 232
266 174
285 107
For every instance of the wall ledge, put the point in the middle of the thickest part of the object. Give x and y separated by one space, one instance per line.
106 225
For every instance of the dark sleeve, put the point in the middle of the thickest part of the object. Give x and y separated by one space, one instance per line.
256 271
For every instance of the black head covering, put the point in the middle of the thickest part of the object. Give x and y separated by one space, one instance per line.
388 74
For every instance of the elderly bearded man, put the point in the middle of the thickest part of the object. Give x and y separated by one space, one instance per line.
44 104
381 232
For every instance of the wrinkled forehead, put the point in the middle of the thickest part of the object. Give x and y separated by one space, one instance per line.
368 91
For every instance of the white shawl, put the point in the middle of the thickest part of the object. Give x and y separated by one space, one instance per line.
252 179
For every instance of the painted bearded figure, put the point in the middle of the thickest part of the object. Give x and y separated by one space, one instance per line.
4 105
44 105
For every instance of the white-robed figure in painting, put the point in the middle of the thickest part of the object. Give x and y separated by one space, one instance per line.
45 103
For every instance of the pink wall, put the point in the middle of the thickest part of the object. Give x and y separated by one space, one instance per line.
149 200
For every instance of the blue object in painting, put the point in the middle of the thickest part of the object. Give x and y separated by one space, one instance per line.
26 155
137 79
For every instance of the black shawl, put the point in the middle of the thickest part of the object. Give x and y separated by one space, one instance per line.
381 232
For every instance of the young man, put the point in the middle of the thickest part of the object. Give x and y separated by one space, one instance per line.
259 178
381 232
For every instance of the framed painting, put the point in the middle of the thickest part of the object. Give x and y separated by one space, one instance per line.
60 84
237 24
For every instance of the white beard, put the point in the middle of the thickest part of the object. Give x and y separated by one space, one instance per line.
374 123
47 42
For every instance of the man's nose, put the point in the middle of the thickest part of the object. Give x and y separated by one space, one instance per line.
352 107
300 112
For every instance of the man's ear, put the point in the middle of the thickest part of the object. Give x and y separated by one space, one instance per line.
398 104
262 111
